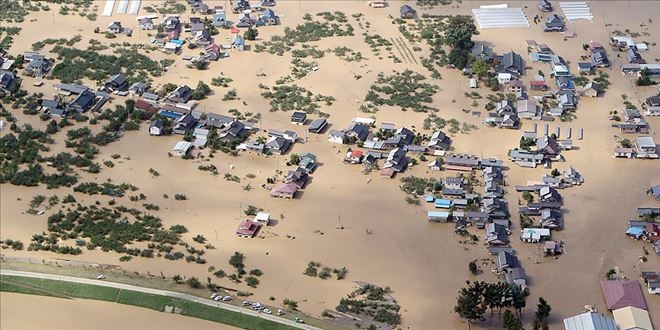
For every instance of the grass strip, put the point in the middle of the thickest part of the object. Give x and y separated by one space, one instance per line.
35 286
75 290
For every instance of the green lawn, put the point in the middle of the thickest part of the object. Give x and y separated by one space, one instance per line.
11 287
145 300
36 286
67 289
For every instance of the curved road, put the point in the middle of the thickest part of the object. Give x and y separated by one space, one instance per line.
161 293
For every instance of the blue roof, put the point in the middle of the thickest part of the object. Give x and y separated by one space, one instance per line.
435 214
444 203
635 231
430 198
177 41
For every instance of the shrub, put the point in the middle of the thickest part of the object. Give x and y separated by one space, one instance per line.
252 281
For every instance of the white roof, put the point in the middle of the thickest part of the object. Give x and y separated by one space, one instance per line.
589 321
182 146
645 142
632 318
171 45
262 216
363 120
504 75
535 233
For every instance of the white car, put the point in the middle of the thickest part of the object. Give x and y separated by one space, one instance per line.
213 295
267 311
246 303
217 298
100 277
280 312
226 298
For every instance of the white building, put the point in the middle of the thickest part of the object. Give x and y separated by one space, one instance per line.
263 218
181 148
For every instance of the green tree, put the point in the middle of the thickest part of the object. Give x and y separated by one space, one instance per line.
472 266
459 32
177 279
511 322
528 197
480 68
469 304
201 91
519 298
250 34
294 159
194 283
625 143
290 303
167 88
541 316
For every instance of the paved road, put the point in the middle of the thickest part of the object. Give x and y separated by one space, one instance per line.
161 293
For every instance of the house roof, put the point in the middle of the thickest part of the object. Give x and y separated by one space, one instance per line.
50 104
288 188
511 59
146 106
84 99
317 124
298 116
405 9
507 260
632 318
623 293
537 83
589 321
118 79
247 227
645 142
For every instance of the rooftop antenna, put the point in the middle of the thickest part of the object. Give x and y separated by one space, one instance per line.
339 225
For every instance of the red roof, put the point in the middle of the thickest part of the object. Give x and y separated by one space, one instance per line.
146 106
247 228
515 83
234 30
537 83
213 48
287 188
652 232
623 293
357 154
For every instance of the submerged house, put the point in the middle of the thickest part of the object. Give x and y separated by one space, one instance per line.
554 24
512 63
407 12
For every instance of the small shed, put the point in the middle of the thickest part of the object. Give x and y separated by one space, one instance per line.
263 218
